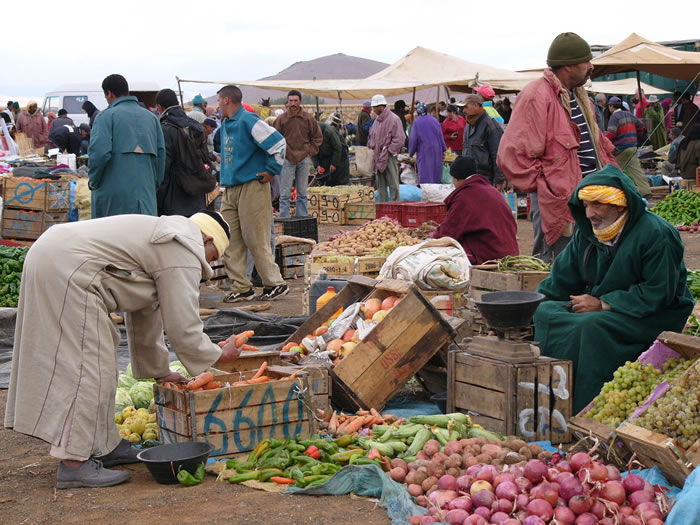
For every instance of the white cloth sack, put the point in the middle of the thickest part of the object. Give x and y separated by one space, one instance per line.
435 264
436 192
409 175
363 160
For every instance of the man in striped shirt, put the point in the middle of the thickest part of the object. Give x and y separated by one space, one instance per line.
623 130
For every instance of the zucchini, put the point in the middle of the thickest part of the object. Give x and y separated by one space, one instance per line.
419 441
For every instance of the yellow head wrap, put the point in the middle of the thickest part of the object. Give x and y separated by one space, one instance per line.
603 194
211 227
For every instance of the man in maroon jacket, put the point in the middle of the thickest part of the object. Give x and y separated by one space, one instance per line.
478 216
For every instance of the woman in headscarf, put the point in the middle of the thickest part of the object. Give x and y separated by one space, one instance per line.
31 122
91 110
453 129
427 143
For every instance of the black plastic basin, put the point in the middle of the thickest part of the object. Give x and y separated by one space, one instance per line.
165 461
509 310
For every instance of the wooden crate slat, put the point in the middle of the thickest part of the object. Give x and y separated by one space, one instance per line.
480 372
480 400
526 417
542 391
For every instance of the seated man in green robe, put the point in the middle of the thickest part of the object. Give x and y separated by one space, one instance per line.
619 283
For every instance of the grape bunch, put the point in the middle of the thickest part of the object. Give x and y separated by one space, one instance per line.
630 387
676 414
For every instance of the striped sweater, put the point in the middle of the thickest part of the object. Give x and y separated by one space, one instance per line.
623 128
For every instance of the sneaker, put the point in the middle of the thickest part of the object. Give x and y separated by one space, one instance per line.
124 454
90 474
236 297
270 294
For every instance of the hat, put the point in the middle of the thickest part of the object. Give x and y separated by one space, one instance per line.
209 122
473 98
568 49
463 167
85 127
485 91
615 101
366 104
212 224
378 100
15 104
603 194
62 112
652 99
198 99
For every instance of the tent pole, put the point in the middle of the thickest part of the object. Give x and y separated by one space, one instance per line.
437 104
179 88
413 102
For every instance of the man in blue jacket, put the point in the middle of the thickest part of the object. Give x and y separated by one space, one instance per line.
126 155
252 154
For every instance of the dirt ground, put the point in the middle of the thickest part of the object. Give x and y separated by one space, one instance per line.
27 472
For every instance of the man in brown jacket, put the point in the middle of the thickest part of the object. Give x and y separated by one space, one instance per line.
31 122
304 138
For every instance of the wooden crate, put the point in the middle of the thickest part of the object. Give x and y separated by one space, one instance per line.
484 278
329 215
250 361
234 419
360 266
360 213
445 300
292 258
532 400
29 224
45 195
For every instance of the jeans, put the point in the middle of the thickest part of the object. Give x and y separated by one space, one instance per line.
389 178
250 264
294 175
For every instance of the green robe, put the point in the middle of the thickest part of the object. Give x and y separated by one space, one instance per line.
642 278
656 116
126 160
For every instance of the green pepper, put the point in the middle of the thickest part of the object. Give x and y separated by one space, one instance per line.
258 450
266 474
275 443
248 476
319 481
280 460
361 460
189 480
305 460
298 476
295 446
345 441
244 467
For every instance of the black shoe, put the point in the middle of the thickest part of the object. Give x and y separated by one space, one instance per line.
90 474
237 297
270 294
124 454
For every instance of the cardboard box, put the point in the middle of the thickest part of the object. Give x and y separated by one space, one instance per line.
29 224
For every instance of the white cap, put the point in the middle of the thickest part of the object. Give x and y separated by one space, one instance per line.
653 98
378 100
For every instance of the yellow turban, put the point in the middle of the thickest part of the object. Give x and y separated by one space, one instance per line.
603 194
214 227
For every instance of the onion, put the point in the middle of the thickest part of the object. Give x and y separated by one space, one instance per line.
540 508
547 492
523 484
614 491
647 511
608 521
598 509
570 487
511 521
523 500
598 471
633 483
480 485
564 516
484 512
552 474
586 519
500 478
483 498
503 505
507 490
447 482
625 510
440 498
487 473
464 483
456 517
414 520
631 520
563 466
475 519
426 520
516 470
649 487
474 470
613 472
499 517
580 504
533 520
535 470
562 476
463 503
655 521
640 497
579 461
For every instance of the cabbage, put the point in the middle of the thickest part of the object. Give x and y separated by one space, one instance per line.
122 399
128 370
126 381
177 366
142 394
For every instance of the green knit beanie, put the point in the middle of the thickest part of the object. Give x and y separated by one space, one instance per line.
568 49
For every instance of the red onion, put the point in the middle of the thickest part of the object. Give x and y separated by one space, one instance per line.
533 520
483 498
414 520
456 517
613 473
647 510
579 461
598 509
440 498
473 470
503 505
560 502
540 508
499 517
523 484
464 483
487 473
655 521
598 471
564 516
547 492
649 487
580 504
484 512
631 520
475 519
535 470
633 483
516 470
511 521
447 482
608 521
614 491
563 466
625 510
500 478
463 503
523 500
570 487
427 520
507 490
563 475
552 474
640 497
586 519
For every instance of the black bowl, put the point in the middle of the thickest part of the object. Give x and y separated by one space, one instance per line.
165 461
509 310
441 401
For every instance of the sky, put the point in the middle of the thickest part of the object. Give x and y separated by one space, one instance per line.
156 40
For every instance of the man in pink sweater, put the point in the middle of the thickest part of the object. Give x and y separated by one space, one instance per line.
386 137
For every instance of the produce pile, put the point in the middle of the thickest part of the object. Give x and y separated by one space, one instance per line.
682 209
207 381
520 263
240 341
368 238
11 265
631 385
138 425
363 420
139 392
692 327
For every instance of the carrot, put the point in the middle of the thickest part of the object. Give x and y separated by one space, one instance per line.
261 370
374 412
201 380
224 342
288 346
361 412
343 425
282 481
256 380
294 375
354 425
242 339
240 383
212 385
249 348
333 424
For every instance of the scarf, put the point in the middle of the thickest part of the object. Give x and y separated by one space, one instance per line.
472 119
603 194
610 232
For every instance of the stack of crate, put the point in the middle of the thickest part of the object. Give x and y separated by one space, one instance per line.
292 258
30 207
330 208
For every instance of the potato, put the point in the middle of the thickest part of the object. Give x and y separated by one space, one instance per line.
410 478
483 458
480 441
512 457
525 452
420 476
491 450
454 461
431 447
400 463
415 490
397 474
422 501
454 472
429 483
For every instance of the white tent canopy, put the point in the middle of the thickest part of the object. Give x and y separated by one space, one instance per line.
625 86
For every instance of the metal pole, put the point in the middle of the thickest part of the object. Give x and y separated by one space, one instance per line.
413 102
179 88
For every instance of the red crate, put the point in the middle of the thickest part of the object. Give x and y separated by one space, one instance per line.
392 210
416 213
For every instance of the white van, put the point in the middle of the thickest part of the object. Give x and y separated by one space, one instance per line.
71 97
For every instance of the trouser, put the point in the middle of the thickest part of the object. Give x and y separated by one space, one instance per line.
540 247
294 175
669 169
629 163
389 177
250 264
60 452
246 209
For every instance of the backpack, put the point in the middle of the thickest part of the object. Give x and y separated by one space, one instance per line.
189 168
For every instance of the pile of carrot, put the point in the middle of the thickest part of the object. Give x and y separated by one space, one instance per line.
240 341
258 377
338 424
204 381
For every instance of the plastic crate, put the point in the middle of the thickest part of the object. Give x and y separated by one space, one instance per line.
304 227
416 213
392 210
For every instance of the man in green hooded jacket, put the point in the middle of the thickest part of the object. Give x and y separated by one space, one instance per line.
618 284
